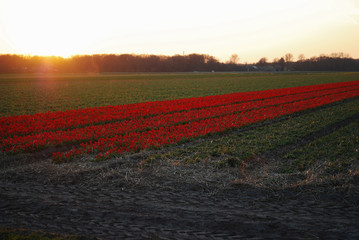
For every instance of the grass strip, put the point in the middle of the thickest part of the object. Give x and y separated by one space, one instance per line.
337 152
221 149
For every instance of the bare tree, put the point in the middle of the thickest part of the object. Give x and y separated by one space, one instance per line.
275 60
279 64
340 55
262 61
234 59
301 57
288 57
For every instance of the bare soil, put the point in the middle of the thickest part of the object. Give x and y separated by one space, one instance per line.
121 198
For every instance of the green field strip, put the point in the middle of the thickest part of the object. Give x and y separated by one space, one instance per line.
337 152
253 142
31 93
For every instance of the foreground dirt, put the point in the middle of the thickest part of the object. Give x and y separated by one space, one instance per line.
119 199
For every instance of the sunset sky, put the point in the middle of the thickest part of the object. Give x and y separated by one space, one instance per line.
251 29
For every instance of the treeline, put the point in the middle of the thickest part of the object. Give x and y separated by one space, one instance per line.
326 63
177 63
113 63
332 62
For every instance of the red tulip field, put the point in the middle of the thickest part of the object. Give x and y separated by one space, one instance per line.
112 130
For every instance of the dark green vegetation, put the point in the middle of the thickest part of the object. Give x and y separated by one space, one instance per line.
33 93
323 142
338 151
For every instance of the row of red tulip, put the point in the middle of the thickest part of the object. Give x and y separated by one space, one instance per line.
27 124
91 133
164 135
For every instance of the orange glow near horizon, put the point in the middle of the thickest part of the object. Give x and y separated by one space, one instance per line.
251 29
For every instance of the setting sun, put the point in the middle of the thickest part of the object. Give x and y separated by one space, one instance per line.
45 28
252 29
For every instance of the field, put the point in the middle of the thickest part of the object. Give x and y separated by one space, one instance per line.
183 139
34 93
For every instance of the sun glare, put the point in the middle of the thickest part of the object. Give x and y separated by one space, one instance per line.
50 28
252 29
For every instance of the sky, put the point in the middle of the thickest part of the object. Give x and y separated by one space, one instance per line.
252 29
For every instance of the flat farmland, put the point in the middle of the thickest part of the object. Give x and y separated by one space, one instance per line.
34 93
185 155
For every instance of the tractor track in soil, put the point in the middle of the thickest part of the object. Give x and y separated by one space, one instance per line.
110 211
